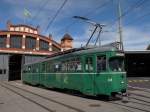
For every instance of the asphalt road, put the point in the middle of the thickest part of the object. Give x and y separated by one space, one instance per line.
18 97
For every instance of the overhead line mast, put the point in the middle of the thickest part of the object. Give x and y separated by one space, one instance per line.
119 26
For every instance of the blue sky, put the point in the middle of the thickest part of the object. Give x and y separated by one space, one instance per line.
136 23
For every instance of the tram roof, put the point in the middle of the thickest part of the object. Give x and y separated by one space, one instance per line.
78 51
96 49
137 52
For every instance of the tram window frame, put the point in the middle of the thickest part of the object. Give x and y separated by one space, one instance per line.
89 66
103 60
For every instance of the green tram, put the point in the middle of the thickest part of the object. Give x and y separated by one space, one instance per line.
91 71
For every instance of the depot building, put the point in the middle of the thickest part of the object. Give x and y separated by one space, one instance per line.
20 44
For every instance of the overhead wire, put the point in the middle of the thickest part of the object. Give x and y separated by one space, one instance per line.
56 14
88 13
137 19
39 10
131 8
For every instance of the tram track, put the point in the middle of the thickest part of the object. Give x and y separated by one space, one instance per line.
48 109
125 106
141 89
139 95
40 96
128 107
136 102
139 100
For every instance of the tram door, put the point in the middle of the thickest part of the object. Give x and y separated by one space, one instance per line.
89 70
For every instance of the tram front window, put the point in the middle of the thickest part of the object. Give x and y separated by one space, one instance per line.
116 64
101 63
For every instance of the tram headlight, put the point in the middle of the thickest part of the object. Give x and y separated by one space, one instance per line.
122 82
109 79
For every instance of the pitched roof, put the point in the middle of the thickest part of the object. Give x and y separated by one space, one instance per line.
66 37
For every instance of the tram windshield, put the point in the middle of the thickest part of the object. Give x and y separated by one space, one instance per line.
116 64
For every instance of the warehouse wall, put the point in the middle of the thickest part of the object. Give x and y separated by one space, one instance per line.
31 58
4 68
137 64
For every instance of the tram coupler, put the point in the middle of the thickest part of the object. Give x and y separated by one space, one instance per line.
125 98
122 96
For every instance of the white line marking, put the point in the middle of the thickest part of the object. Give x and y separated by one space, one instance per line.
19 84
139 88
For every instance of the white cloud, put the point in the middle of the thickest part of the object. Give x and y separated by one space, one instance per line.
133 38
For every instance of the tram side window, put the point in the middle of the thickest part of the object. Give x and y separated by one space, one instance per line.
101 63
78 65
57 67
64 66
89 64
34 68
43 67
29 68
48 67
37 70
25 70
73 64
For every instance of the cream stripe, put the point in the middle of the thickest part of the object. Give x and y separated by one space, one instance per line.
79 73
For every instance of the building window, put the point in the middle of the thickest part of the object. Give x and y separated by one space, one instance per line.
30 42
17 29
31 31
2 41
26 29
21 28
55 48
4 71
15 41
44 45
12 29
35 32
1 71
